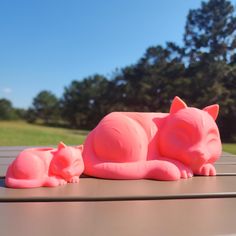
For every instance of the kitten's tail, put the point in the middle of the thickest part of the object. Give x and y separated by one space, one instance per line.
22 183
12 182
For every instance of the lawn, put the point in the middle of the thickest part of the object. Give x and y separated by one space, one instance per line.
229 147
18 133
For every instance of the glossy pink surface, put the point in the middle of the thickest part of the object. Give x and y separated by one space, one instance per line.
50 167
162 146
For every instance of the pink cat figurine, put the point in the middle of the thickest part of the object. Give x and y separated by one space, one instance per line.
36 167
162 146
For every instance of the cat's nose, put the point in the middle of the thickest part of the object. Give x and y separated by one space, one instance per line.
68 172
199 156
199 153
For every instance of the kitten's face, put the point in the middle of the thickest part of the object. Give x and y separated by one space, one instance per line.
68 162
192 137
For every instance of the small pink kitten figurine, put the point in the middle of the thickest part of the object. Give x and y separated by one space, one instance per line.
36 167
162 146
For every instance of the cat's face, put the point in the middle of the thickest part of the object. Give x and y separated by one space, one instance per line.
191 136
68 162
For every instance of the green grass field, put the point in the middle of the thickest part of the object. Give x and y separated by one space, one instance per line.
19 133
229 147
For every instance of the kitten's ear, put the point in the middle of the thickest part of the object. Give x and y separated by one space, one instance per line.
80 147
177 104
212 110
61 145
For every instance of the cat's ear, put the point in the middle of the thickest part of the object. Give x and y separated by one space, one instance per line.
212 110
177 104
80 147
61 145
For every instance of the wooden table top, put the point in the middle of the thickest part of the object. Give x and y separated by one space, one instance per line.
196 206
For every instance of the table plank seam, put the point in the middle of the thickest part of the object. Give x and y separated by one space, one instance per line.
125 198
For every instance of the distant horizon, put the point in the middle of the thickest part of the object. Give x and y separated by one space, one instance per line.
45 45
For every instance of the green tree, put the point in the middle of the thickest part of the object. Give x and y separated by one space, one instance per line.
210 32
7 112
45 107
209 45
164 73
20 113
84 102
202 72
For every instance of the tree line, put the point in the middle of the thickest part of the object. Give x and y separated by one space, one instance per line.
201 72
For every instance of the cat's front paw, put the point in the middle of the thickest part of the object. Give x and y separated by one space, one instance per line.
207 170
74 179
54 181
186 173
61 182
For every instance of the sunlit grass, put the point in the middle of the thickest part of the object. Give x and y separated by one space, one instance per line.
229 147
20 133
17 133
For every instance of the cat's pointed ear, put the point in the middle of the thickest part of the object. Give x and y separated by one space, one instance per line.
61 145
80 147
177 104
212 110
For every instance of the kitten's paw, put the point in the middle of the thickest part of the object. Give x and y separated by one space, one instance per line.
207 170
74 179
53 181
62 182
186 173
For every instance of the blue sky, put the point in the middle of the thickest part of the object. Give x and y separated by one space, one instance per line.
45 44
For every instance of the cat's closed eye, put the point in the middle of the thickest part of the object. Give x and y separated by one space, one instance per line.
212 139
212 136
77 162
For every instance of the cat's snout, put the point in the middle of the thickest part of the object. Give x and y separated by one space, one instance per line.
198 157
199 153
68 172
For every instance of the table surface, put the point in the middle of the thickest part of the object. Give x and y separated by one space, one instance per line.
196 206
